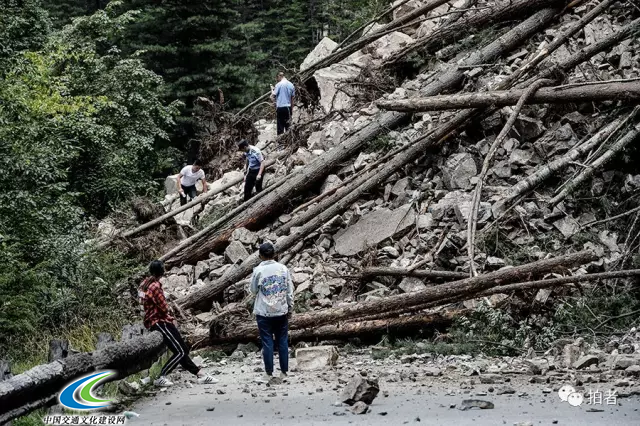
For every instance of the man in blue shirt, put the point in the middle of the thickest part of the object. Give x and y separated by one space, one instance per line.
283 94
253 168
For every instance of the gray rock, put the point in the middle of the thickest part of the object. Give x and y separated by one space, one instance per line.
490 379
468 404
555 141
360 389
173 282
585 362
622 362
390 251
527 128
235 252
321 289
570 355
372 229
632 370
505 390
248 348
321 51
244 236
129 388
316 358
400 187
331 182
446 205
299 277
359 408
237 355
202 269
520 157
205 317
458 171
412 284
567 226
425 222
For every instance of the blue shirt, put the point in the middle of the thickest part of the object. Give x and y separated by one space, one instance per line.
283 92
254 157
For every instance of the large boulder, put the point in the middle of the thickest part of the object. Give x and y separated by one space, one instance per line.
328 80
244 236
458 171
316 358
386 46
360 389
321 51
373 228
235 252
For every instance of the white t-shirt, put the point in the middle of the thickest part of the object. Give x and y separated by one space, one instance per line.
189 178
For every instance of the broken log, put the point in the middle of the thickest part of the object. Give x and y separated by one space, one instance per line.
459 289
588 171
472 221
617 91
406 272
499 11
560 163
340 201
247 330
39 386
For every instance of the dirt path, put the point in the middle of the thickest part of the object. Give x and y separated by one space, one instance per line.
407 396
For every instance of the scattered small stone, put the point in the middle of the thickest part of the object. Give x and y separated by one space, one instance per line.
267 401
359 408
382 413
339 413
319 390
452 406
481 394
220 392
211 408
554 421
595 410
547 390
167 403
253 394
272 395
476 403
417 419
523 424
240 415
505 390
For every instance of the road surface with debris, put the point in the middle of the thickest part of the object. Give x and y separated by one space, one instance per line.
410 393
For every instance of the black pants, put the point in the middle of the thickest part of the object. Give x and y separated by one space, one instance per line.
251 181
177 346
189 191
283 115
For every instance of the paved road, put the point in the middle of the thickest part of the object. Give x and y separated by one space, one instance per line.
309 399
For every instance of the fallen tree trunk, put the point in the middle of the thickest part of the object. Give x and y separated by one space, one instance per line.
500 11
617 91
329 207
39 386
457 289
588 171
406 272
247 330
376 326
559 164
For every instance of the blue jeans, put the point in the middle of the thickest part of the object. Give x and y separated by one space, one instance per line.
278 327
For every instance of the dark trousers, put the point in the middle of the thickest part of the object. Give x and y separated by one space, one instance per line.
283 115
250 181
177 346
189 191
278 328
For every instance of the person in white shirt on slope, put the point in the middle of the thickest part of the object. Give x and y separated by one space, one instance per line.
187 179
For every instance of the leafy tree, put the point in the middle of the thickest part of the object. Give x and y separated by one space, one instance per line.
80 125
24 25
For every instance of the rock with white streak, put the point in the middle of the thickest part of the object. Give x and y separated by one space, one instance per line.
458 171
316 358
321 51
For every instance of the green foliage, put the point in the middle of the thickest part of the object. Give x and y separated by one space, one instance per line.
496 331
24 25
81 131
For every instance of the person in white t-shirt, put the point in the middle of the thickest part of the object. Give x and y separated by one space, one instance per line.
187 179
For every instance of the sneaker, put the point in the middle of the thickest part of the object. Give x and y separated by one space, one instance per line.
162 382
265 378
207 380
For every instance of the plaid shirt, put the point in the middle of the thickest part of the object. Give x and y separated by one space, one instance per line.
155 305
